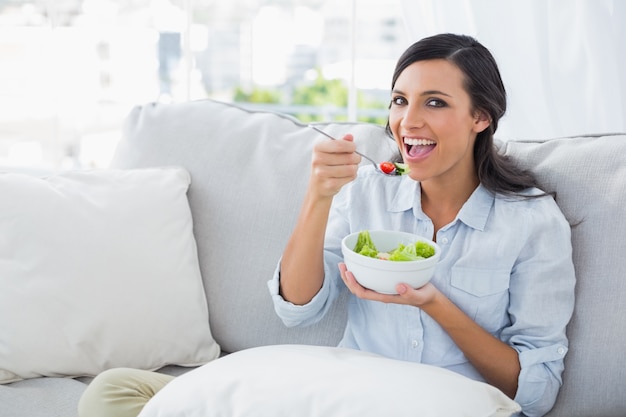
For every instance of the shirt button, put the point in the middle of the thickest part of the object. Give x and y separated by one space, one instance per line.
415 343
561 351
444 240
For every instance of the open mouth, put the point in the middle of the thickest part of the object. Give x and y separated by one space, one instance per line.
416 148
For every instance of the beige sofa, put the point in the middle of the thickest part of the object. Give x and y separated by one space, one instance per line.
248 173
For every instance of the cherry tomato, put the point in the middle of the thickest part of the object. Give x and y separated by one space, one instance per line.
387 167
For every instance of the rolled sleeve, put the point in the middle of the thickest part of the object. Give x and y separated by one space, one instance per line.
540 378
294 315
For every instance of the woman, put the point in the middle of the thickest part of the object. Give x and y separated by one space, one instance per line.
503 291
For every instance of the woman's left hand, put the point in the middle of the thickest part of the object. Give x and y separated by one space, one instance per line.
406 295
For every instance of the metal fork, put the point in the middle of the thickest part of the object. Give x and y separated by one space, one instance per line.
376 165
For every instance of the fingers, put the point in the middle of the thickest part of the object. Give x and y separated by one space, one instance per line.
406 294
336 152
334 164
360 291
349 280
417 297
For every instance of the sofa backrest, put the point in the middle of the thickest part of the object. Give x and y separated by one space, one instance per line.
249 173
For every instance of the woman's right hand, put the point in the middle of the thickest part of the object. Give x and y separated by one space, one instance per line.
334 163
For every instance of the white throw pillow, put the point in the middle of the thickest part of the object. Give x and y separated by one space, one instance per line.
99 269
316 381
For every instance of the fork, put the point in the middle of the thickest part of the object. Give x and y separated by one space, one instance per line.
376 165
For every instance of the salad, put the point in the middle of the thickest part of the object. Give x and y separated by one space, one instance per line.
412 252
394 168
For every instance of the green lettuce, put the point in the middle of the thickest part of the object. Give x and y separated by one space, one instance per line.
365 246
412 252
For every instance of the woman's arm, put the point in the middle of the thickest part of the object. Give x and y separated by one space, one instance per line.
333 165
496 361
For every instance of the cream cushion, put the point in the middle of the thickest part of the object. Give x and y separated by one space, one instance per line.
317 381
99 269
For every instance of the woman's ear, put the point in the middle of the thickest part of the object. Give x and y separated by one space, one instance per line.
481 121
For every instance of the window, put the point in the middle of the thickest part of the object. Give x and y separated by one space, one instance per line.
72 69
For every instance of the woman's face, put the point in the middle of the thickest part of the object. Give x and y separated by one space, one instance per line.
433 123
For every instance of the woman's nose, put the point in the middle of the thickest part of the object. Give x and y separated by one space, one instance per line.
412 118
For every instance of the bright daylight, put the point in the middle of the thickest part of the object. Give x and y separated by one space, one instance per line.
312 208
73 69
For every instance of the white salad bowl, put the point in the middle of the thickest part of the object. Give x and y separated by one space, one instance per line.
383 275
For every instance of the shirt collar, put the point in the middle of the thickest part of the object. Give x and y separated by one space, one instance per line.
474 212
476 209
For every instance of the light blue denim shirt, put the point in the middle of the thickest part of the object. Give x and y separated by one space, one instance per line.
506 262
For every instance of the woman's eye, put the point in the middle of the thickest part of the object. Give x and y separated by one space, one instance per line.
398 101
435 102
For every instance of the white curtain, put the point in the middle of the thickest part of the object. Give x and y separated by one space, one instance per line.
563 62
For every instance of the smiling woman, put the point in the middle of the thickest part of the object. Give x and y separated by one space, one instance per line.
476 315
442 91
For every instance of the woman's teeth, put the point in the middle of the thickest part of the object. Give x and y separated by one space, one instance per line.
418 142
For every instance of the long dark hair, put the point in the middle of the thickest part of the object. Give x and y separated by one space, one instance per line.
487 94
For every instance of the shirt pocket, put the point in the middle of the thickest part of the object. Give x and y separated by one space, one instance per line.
482 294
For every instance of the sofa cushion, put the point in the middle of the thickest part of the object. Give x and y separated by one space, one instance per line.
588 175
249 173
99 269
315 381
41 397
